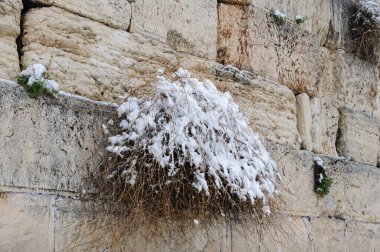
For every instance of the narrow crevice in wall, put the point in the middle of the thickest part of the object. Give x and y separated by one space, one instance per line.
27 5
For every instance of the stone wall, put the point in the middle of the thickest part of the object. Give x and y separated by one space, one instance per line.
299 86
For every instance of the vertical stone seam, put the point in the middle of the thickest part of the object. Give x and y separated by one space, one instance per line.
54 224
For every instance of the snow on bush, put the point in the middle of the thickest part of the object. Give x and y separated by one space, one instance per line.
366 30
34 80
279 17
189 126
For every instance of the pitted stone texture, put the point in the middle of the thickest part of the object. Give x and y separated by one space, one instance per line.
89 58
362 236
325 120
284 53
348 81
47 143
10 13
189 26
354 191
115 13
328 19
26 222
358 136
329 235
269 106
304 121
79 229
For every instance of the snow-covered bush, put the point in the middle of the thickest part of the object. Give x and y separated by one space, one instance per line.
366 30
35 81
187 150
279 17
300 19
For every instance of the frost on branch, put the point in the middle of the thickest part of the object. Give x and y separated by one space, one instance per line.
189 132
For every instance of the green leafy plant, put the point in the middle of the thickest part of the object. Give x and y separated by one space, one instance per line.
279 17
300 19
34 80
322 183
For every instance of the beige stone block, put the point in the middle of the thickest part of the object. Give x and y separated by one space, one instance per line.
362 236
47 143
284 53
354 191
88 58
325 120
269 106
304 120
296 188
328 235
26 222
348 81
115 13
189 26
358 136
10 13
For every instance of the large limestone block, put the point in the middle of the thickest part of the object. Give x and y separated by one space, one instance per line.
362 236
89 58
304 120
249 39
328 19
189 26
354 192
358 136
115 13
269 106
325 121
10 13
47 143
297 180
26 222
348 81
329 235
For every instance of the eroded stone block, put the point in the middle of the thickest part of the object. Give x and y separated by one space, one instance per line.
358 136
88 58
115 13
189 26
47 143
26 222
304 121
10 13
284 53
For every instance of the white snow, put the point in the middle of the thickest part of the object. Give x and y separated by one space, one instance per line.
196 222
279 14
371 7
190 122
319 162
36 73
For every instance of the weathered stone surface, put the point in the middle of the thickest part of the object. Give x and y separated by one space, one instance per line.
115 13
304 121
329 235
348 81
358 136
46 143
10 12
325 120
189 26
354 192
89 58
297 175
26 222
269 106
285 53
362 236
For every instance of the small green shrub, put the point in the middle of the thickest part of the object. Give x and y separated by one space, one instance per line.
322 183
299 19
34 80
279 17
